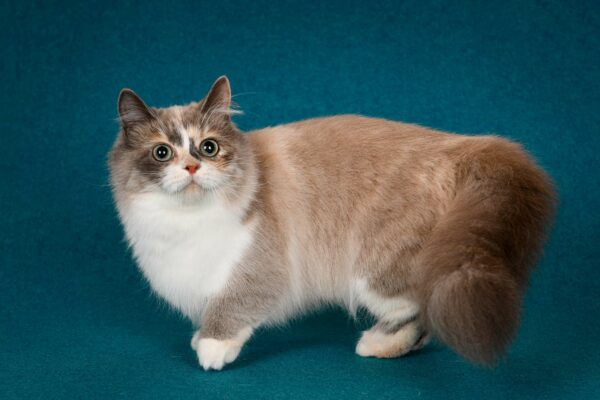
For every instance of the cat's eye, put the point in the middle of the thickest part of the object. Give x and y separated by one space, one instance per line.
162 152
209 147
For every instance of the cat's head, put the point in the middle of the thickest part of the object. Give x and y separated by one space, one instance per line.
181 151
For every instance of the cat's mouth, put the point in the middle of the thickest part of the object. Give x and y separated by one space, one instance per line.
191 187
188 186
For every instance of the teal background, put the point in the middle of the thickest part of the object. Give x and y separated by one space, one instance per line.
76 318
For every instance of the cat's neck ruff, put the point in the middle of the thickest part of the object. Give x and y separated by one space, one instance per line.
186 249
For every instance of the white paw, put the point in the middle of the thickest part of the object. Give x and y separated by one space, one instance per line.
214 354
374 343
367 346
195 340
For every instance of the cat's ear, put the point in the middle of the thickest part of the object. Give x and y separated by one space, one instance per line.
132 109
218 97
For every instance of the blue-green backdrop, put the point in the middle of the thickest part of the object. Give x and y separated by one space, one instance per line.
76 318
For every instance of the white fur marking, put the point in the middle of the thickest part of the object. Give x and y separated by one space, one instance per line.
374 343
186 251
214 354
185 138
387 308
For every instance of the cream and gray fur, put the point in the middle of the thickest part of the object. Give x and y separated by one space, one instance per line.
432 233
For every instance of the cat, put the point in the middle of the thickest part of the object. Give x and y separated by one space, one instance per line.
433 234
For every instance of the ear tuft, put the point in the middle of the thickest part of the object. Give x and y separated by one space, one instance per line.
132 109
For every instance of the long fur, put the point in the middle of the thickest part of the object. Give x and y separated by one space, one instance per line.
475 264
433 233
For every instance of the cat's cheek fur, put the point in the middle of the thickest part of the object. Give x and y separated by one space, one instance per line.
209 177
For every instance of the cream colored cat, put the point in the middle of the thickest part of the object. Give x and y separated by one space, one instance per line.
433 233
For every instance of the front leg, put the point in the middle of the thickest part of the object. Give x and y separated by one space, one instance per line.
230 319
224 330
252 297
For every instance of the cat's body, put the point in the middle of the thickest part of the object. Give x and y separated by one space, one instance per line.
432 233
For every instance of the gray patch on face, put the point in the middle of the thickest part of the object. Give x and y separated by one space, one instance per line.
170 127
194 151
173 119
151 169
174 137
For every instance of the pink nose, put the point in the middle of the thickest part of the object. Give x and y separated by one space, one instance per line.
192 168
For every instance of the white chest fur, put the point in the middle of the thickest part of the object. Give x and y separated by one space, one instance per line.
187 252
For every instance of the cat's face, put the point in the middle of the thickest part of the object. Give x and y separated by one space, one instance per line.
184 151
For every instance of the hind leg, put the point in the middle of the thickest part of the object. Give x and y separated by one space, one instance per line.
389 339
398 330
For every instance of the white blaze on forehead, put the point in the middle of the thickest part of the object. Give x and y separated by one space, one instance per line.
178 121
189 133
185 138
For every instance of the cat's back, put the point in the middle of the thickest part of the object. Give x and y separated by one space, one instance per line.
348 163
349 146
344 132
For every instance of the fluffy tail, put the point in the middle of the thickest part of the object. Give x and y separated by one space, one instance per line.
474 267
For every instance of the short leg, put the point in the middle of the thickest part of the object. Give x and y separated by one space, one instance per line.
230 319
249 300
399 328
388 339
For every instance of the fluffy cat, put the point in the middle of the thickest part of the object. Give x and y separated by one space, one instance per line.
433 233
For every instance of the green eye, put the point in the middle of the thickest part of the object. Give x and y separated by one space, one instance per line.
209 147
162 152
